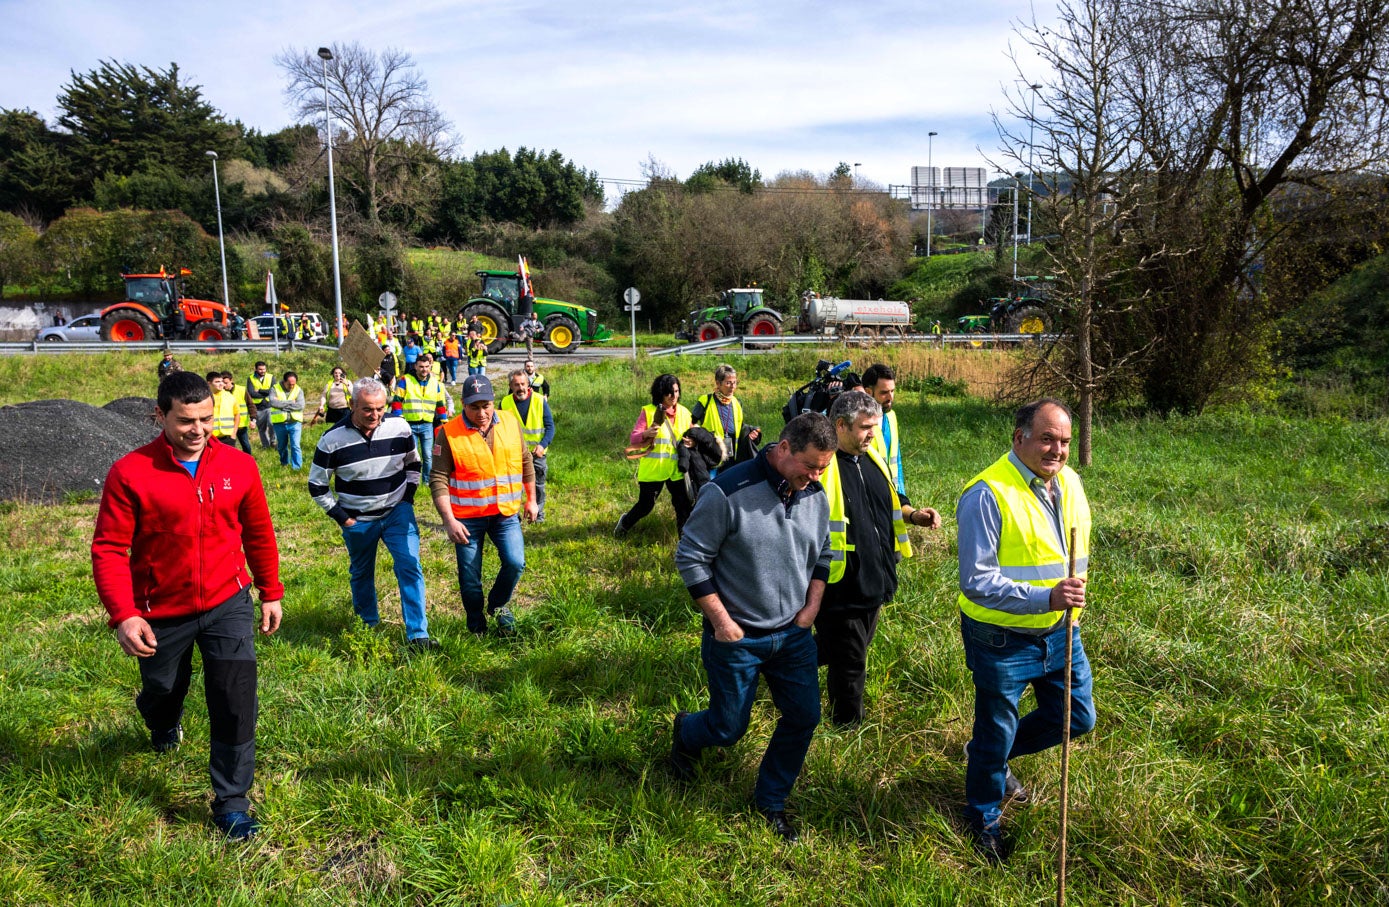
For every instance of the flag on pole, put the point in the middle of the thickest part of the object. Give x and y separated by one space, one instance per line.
525 272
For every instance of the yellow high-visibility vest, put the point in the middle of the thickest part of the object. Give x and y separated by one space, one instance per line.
419 401
533 426
1028 549
282 415
714 424
659 463
224 414
839 521
890 454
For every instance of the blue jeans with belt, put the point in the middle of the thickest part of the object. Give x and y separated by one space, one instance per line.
1004 663
505 533
402 537
786 657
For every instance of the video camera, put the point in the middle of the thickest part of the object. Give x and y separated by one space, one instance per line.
818 394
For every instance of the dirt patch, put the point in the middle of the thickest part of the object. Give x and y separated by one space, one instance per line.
51 449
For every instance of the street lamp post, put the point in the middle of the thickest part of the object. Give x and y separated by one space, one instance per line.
930 175
327 55
1031 131
221 243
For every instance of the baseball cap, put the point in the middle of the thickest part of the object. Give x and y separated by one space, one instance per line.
477 388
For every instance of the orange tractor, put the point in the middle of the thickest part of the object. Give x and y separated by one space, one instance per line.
156 309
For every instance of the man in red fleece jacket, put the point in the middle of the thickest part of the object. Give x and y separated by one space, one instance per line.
169 565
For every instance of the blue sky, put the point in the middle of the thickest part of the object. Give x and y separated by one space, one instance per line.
784 85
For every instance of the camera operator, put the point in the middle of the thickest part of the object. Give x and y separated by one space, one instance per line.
819 393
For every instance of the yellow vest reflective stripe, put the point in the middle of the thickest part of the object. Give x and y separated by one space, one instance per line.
714 424
486 480
419 401
224 414
889 454
533 428
1028 549
839 521
279 415
263 383
659 463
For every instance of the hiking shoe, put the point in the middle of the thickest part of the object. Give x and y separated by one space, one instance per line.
776 818
1012 787
167 741
237 826
506 621
682 758
423 644
989 845
619 530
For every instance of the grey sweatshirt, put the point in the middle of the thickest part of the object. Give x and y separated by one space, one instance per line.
757 549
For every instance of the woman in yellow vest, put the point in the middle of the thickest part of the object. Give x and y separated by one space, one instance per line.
336 400
660 426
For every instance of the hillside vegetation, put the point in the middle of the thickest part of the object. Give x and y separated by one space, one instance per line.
1237 632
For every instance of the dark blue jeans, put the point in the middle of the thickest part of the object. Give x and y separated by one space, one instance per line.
1004 662
787 659
505 533
402 538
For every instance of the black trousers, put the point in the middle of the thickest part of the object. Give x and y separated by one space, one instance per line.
841 641
226 638
646 500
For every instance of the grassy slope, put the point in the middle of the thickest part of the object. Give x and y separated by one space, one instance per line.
1237 634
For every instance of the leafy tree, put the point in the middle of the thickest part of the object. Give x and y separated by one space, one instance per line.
36 173
378 261
535 189
305 269
18 250
126 119
731 172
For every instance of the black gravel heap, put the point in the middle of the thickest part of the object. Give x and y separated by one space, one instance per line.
51 448
134 408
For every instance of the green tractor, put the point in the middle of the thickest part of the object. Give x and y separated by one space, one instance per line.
738 312
564 325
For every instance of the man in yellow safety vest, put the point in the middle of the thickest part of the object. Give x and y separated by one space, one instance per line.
537 427
1015 520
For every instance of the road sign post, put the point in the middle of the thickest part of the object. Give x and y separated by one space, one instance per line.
633 296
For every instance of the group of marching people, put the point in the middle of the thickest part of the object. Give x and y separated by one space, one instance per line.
789 549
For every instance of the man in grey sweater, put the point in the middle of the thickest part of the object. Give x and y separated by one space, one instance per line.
755 555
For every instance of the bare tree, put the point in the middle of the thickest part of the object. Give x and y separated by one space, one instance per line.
1175 130
383 118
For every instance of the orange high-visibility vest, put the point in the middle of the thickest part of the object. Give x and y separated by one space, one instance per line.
485 480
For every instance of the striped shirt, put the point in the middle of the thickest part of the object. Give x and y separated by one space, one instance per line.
371 475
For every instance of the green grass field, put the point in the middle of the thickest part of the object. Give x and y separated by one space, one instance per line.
1237 630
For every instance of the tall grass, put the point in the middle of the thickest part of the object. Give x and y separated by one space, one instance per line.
1237 631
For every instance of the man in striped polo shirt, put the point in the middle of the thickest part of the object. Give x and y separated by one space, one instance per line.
376 471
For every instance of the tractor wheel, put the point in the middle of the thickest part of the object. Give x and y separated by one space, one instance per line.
496 327
1029 320
764 324
561 334
709 330
126 326
209 334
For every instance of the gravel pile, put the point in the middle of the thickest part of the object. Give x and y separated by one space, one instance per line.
49 448
134 407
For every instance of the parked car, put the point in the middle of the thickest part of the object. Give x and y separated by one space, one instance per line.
265 324
84 329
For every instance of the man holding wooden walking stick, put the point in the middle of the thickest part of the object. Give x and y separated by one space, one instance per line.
1014 520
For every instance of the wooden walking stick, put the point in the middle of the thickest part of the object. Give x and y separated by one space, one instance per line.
1066 741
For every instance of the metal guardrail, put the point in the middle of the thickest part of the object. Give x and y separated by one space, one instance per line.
102 346
748 341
